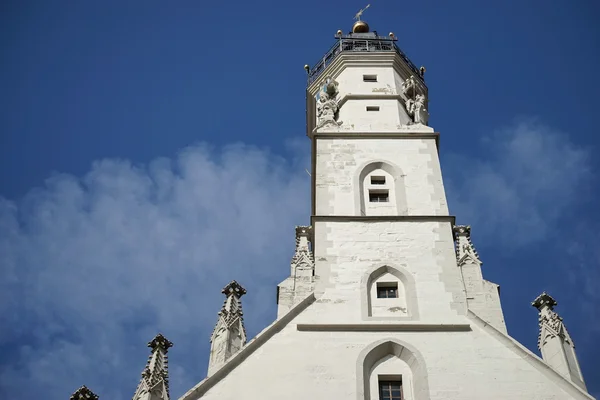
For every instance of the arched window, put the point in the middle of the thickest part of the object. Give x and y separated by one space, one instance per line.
388 293
380 190
389 369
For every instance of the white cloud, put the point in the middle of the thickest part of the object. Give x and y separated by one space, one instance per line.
95 266
519 184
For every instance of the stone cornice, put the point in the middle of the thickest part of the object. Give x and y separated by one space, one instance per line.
383 218
385 327
260 339
396 134
369 96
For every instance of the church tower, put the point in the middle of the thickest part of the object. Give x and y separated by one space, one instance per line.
386 298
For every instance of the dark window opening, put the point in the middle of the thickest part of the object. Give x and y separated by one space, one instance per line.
387 290
390 390
378 180
372 108
379 196
370 78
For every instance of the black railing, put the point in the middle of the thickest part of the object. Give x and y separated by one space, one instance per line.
347 44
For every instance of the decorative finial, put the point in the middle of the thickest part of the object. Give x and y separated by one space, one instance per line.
544 300
160 341
360 13
339 33
422 70
360 26
83 393
307 68
234 287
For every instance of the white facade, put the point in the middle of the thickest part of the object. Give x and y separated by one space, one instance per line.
390 290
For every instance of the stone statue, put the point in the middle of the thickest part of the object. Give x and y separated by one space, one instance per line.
416 108
409 86
327 105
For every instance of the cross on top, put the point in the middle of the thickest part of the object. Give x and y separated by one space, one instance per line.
360 13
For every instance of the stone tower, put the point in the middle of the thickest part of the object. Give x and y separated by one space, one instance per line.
386 298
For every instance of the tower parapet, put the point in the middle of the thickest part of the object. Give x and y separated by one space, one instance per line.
361 40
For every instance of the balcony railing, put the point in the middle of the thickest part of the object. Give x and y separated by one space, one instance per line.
348 44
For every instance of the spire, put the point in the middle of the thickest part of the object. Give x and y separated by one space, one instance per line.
83 393
482 296
154 384
229 335
465 251
555 343
303 259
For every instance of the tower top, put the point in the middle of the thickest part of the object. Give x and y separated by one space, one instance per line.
362 40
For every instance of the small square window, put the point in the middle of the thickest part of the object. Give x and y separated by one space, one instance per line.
372 108
370 78
390 390
378 180
387 290
379 196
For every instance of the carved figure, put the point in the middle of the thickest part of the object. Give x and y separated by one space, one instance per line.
416 108
409 86
327 106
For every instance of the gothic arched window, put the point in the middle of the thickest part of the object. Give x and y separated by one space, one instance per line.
391 370
388 293
380 190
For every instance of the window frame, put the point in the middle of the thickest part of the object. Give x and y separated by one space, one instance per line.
379 194
386 287
382 382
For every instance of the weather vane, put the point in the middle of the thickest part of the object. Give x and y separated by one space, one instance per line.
358 14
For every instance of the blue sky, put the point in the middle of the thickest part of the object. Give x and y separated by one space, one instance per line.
152 151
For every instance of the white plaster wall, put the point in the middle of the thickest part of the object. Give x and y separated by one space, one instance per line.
350 81
340 161
354 114
347 252
388 307
297 365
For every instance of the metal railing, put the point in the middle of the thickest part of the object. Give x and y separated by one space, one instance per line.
345 44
